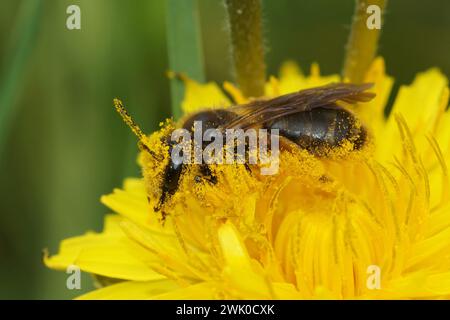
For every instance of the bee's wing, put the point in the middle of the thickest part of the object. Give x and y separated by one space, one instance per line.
262 111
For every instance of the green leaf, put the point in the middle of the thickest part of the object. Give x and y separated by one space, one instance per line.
184 46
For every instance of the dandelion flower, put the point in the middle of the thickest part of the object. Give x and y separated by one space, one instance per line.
312 231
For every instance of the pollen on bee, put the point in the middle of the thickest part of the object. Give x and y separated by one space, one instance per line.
130 122
230 146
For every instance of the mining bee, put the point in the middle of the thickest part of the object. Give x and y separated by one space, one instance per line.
312 119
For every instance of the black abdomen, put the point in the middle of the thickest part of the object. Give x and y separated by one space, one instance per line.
320 129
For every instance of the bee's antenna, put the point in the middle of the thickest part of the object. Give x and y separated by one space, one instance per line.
128 119
143 140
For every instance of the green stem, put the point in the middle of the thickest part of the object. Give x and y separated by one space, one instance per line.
184 46
244 17
362 43
24 33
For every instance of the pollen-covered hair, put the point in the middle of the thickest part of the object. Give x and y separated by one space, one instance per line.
144 142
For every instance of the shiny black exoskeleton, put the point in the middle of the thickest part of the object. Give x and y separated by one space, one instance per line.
320 129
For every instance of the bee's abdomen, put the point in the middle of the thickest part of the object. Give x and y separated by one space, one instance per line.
320 129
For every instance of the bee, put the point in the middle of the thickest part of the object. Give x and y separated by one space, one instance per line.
310 119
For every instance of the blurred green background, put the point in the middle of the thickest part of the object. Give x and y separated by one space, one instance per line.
63 145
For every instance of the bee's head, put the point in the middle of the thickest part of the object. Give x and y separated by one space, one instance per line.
154 159
154 156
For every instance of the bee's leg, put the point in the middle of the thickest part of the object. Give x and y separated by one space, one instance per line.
247 157
161 202
170 183
162 220
206 173
144 147
158 207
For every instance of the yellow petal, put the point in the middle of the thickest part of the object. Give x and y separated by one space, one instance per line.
422 105
372 112
200 96
167 247
131 290
427 252
234 92
291 78
443 130
110 254
415 286
244 282
200 291
233 250
131 202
